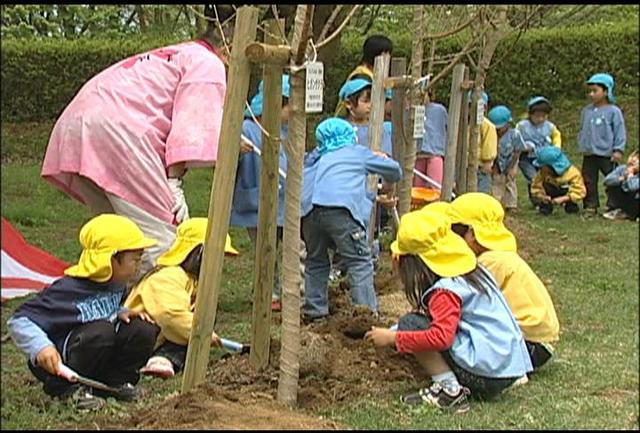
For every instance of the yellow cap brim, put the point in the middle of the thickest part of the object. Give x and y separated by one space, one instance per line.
451 257
496 238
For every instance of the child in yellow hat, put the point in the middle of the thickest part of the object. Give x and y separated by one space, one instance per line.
478 218
463 333
168 294
78 321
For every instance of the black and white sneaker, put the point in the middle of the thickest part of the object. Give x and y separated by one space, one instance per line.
126 392
83 399
440 397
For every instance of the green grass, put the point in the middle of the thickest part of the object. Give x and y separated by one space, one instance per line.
590 267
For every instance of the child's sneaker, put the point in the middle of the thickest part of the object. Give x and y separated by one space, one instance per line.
438 396
612 214
126 392
83 399
158 366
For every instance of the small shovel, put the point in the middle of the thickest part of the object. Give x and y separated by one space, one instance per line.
234 346
72 376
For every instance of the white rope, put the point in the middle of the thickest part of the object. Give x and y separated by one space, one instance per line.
253 116
294 68
257 150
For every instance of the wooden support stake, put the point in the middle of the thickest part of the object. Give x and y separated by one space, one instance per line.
268 54
463 138
220 201
398 121
455 107
266 243
402 81
376 120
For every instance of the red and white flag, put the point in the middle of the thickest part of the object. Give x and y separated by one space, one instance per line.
25 268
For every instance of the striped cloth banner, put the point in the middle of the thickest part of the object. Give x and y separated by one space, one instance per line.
25 268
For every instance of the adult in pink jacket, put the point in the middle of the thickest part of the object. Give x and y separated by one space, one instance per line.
126 139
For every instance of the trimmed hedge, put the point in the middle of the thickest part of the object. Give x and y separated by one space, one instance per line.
39 78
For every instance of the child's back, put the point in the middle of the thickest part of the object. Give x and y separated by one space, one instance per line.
435 130
526 295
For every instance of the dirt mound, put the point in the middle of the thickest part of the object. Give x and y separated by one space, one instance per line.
336 365
209 407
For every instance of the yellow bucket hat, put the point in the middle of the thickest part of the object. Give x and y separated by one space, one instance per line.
485 215
101 238
428 235
441 207
190 233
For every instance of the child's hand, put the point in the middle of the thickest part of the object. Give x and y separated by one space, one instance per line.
381 336
487 167
245 148
127 315
616 156
49 360
379 153
560 200
387 201
215 340
545 199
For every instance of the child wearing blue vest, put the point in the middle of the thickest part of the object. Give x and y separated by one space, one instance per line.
537 132
246 194
430 156
623 189
505 166
463 333
602 136
79 322
336 207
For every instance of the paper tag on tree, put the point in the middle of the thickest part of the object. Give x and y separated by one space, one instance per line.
480 112
314 88
418 121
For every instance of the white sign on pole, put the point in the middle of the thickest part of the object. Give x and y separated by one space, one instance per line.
314 88
480 112
418 121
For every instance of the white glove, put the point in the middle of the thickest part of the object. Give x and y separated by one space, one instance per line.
180 208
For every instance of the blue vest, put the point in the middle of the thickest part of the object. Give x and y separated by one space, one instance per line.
339 179
435 130
510 142
539 135
602 130
246 193
488 342
362 134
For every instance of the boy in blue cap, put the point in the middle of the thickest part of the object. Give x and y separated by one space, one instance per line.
602 136
557 183
537 132
510 145
336 208
246 194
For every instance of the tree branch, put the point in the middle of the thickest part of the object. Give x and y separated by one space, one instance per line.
454 31
274 9
332 18
451 65
339 29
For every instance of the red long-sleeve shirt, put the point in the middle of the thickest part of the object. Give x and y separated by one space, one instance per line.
445 311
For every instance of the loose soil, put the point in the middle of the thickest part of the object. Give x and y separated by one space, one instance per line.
336 366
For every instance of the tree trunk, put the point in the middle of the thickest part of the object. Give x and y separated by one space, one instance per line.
294 146
404 204
490 42
142 18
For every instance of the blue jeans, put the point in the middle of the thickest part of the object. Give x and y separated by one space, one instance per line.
334 228
529 171
484 182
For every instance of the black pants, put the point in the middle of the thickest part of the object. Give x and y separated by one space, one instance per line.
176 353
102 351
592 165
619 199
553 192
538 353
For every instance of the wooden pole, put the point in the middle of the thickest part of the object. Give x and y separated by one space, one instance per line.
220 201
268 54
398 123
266 243
463 139
376 119
455 107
